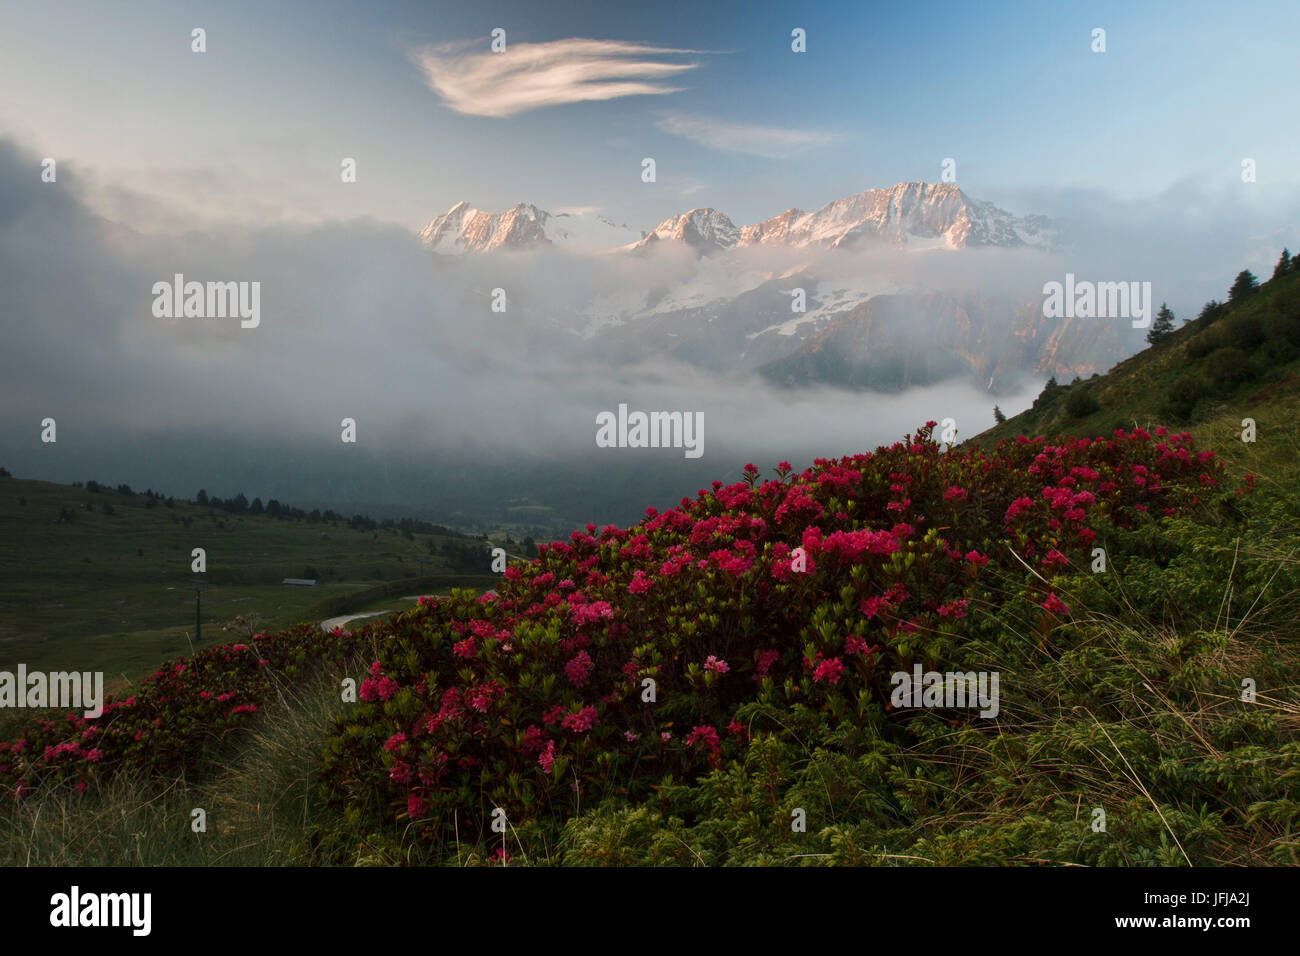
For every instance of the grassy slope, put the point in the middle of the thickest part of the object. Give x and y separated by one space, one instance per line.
1136 391
108 591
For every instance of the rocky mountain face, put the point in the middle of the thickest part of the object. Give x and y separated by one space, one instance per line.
892 342
859 330
705 230
463 228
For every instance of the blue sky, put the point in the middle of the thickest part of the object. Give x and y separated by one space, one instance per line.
256 126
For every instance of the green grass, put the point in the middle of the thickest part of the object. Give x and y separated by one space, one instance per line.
108 592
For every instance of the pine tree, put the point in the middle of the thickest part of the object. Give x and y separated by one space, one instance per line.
998 416
1212 312
1283 264
1163 326
1245 284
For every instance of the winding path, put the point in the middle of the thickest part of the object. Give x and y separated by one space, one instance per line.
330 624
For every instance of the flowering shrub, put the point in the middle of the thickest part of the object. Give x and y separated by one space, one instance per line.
164 725
806 591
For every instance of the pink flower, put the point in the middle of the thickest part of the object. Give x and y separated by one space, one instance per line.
640 583
955 494
582 721
874 605
1018 507
416 807
1055 605
1055 558
955 608
579 668
481 697
94 755
829 671
706 735
715 665
547 758
588 613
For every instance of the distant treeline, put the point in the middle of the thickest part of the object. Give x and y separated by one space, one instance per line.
240 505
469 554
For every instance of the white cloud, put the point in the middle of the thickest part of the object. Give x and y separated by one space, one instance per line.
529 76
774 142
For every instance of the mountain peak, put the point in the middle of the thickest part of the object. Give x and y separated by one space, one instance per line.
704 229
462 229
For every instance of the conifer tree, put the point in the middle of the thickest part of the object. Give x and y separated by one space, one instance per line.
1163 326
1245 284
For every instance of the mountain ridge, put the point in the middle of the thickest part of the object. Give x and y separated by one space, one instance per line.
912 214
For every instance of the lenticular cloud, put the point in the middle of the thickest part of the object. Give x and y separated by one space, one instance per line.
528 76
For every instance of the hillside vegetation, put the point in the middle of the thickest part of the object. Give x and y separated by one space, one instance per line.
96 578
1233 357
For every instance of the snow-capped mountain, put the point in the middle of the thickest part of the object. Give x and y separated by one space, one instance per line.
705 230
918 215
925 214
463 228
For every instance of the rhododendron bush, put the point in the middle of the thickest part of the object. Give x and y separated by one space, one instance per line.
623 660
165 724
